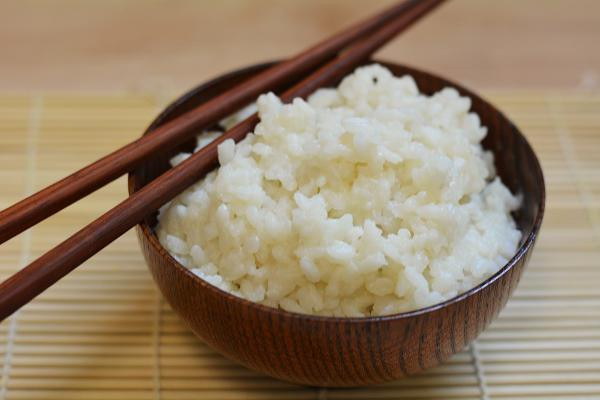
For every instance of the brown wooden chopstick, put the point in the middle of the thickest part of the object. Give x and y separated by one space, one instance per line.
57 196
49 268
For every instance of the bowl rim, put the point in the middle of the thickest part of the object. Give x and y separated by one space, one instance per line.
523 249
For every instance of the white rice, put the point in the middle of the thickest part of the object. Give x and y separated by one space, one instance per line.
368 199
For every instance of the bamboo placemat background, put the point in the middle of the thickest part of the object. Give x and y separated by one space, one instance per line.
104 332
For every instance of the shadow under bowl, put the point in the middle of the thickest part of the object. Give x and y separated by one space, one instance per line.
329 351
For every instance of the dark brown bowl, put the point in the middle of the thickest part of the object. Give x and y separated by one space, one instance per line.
327 351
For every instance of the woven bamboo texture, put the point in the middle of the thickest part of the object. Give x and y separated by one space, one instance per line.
104 332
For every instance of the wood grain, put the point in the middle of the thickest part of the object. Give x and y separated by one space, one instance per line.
127 343
323 351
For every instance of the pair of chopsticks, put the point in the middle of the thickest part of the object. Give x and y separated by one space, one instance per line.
333 58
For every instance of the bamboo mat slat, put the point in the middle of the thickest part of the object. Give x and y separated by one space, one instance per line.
105 333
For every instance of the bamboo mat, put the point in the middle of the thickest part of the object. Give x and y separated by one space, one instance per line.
105 333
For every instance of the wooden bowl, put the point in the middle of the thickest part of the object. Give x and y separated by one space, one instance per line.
327 351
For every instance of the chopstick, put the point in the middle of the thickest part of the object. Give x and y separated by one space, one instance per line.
56 263
59 195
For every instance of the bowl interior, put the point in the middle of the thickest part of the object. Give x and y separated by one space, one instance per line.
514 159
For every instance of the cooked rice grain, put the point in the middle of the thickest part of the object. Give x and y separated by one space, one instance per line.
368 199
